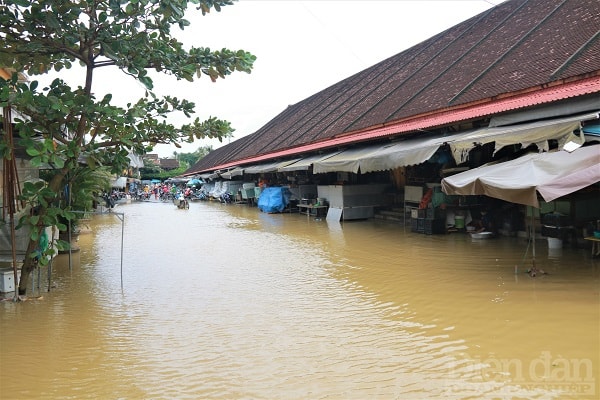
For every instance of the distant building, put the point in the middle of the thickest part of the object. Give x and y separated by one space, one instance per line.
152 157
168 163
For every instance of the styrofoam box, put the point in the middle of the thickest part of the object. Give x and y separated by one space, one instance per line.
7 280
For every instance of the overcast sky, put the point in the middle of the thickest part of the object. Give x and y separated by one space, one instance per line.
302 47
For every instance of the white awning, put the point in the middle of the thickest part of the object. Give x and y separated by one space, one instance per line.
416 150
408 152
538 133
552 175
237 171
304 163
268 167
119 182
382 157
346 161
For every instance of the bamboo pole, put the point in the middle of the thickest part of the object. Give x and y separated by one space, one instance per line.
11 186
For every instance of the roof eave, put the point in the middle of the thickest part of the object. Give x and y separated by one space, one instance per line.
547 93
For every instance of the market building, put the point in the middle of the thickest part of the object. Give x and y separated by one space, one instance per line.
522 77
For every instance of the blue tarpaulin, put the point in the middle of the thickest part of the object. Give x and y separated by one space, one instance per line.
592 129
274 199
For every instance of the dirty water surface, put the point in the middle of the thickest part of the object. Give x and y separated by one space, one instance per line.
223 301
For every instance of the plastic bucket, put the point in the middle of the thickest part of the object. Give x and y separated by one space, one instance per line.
554 243
459 222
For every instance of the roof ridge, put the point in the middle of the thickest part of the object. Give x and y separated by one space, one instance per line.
374 89
366 84
569 60
319 106
415 94
505 54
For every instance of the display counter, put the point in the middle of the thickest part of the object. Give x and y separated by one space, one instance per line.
355 201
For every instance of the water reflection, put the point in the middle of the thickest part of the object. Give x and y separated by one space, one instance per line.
227 302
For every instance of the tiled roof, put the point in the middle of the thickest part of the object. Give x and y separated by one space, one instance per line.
512 50
169 163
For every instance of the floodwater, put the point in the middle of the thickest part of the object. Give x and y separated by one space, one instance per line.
223 301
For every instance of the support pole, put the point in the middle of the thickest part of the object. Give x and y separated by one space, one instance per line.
533 236
12 190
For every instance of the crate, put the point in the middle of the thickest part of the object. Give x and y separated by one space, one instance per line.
413 225
420 225
434 226
435 213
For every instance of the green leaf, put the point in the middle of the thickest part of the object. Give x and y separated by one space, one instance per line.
36 161
62 245
32 152
58 162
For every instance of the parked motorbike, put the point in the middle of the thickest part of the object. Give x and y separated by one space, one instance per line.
110 200
226 198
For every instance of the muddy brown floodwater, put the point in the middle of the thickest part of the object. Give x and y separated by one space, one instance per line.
223 301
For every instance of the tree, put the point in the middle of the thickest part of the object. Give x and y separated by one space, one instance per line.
192 158
63 124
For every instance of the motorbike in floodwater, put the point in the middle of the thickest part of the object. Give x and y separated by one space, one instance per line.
140 195
181 202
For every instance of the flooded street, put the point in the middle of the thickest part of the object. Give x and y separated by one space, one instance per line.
223 301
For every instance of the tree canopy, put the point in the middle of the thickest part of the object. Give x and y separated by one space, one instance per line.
192 158
69 128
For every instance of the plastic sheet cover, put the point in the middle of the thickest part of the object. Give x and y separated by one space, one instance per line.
274 199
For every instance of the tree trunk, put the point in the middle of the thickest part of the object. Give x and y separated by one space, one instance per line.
28 266
30 263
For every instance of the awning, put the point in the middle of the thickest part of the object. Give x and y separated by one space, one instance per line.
305 163
538 133
119 182
382 157
416 151
409 152
177 180
269 167
346 161
237 171
552 175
